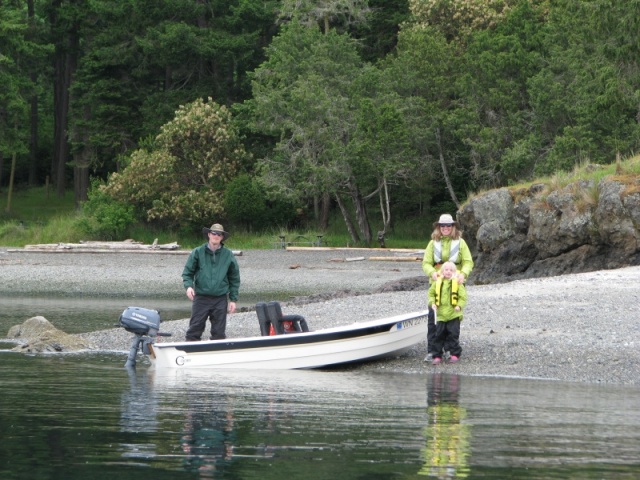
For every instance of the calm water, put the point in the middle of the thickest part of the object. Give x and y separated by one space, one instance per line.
86 417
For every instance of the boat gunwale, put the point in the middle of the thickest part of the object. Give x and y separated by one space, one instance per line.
339 333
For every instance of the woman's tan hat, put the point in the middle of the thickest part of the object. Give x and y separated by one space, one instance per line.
445 219
216 227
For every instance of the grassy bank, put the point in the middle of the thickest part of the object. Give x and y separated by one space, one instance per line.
38 216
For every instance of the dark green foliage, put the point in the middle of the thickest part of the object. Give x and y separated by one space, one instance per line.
246 205
339 109
379 35
104 217
244 202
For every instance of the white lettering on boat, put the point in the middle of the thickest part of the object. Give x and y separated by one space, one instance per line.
412 322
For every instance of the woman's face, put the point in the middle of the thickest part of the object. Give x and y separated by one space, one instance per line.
446 229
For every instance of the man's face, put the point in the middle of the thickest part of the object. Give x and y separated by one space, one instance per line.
215 238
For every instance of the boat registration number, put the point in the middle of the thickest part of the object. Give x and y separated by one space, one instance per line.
412 322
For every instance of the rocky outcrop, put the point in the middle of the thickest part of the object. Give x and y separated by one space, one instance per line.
537 232
38 335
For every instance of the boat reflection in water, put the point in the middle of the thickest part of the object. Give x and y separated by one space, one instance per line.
221 421
80 416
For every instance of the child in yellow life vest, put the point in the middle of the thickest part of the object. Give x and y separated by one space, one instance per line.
447 298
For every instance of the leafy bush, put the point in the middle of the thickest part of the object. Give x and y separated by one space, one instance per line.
105 217
246 204
181 180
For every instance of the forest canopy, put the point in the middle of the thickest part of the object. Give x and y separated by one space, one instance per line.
377 110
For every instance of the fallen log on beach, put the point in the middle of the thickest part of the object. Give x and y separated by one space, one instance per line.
94 245
396 259
126 246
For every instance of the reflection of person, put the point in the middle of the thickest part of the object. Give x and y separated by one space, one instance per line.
208 438
212 279
446 244
447 297
446 434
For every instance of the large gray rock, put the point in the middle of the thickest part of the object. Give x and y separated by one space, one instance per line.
534 232
38 335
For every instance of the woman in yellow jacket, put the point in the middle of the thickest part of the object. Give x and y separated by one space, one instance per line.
446 244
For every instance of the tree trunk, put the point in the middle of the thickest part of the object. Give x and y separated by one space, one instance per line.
80 184
347 220
445 173
33 143
316 208
66 51
11 176
81 160
326 207
385 206
361 213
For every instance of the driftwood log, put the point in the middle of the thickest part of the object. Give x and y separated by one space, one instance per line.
126 246
91 245
396 259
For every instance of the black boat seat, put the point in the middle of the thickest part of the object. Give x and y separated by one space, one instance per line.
272 320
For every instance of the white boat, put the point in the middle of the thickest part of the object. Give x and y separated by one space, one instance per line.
350 343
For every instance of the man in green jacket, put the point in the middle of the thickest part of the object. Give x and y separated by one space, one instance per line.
212 279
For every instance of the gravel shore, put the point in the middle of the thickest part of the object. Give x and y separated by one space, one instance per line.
580 328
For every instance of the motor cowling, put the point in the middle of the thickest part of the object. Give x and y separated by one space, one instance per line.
141 321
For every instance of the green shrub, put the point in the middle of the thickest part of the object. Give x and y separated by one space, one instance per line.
246 204
104 217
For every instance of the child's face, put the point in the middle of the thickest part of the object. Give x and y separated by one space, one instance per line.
448 271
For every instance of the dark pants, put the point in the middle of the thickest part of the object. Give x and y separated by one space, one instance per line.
212 308
431 329
446 338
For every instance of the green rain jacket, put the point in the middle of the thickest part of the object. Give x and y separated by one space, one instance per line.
464 262
212 273
446 311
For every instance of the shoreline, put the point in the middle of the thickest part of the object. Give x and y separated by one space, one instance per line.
577 328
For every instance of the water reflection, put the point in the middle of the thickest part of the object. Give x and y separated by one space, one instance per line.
208 437
352 423
139 404
447 435
139 414
85 416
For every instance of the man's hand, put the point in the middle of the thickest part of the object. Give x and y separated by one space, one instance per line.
232 307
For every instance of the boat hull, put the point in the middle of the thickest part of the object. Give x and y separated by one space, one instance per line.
351 343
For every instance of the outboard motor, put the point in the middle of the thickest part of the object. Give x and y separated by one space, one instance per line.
144 324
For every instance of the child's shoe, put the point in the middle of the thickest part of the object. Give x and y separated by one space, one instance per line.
436 361
428 358
453 359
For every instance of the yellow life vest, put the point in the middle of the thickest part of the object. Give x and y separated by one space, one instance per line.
454 289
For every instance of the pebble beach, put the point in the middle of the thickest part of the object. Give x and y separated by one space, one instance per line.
577 328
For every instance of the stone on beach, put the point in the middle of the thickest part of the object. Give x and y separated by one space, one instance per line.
38 335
